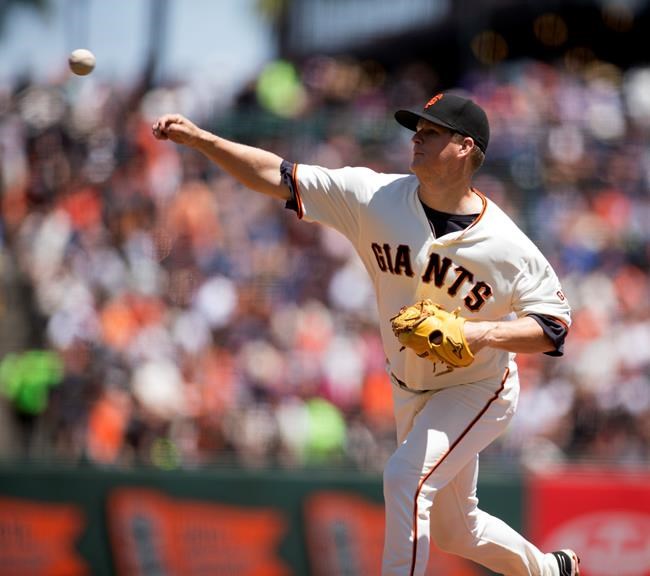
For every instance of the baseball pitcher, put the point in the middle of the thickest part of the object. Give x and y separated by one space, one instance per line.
460 291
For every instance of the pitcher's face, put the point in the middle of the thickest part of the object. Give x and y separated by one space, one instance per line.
433 148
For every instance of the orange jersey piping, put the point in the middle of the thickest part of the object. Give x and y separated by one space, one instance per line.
296 187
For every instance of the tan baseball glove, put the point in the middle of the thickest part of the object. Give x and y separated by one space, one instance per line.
433 333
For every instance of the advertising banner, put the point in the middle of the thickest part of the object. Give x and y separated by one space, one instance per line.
39 538
603 516
152 533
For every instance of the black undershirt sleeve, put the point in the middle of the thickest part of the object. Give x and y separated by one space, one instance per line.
555 331
286 174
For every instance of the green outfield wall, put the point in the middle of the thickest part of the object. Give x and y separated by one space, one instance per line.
77 521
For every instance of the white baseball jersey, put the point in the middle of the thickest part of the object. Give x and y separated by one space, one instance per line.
491 270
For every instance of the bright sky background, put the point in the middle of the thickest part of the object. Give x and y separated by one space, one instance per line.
220 43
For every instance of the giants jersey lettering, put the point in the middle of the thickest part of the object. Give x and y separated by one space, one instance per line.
436 271
491 270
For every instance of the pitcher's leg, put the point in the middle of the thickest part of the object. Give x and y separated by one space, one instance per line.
449 430
459 527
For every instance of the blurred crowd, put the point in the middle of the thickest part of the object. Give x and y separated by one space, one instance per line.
154 312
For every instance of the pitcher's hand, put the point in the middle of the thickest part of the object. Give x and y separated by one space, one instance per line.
176 128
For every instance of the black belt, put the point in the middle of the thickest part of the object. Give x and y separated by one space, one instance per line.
404 387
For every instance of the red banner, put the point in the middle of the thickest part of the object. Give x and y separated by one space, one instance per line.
604 517
38 539
154 534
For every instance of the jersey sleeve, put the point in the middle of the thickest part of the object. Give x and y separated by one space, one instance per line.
332 197
538 291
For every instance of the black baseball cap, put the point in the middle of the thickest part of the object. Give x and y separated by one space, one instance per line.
452 111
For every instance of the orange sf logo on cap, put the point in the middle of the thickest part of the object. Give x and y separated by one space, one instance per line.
433 100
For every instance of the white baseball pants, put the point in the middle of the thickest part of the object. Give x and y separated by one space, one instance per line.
430 482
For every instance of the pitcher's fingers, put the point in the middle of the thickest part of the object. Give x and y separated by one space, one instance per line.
168 119
159 132
161 126
165 121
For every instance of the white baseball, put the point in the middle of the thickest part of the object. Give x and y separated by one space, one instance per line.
81 61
